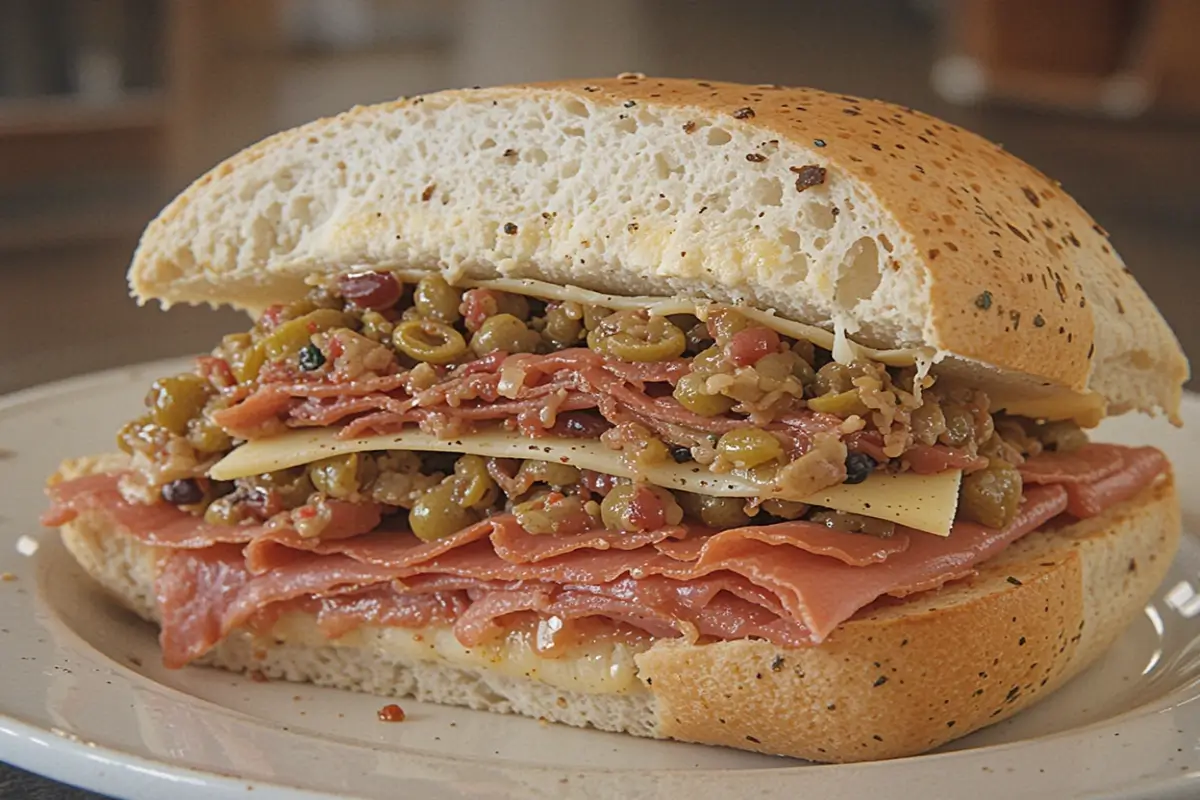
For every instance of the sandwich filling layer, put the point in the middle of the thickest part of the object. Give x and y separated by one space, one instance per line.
413 454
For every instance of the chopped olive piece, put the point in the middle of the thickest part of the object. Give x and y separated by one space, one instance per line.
311 357
746 448
681 455
991 496
183 492
859 467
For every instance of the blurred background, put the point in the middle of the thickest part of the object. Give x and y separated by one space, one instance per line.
109 107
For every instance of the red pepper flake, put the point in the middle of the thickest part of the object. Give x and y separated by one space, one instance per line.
257 676
744 113
689 126
756 158
427 194
808 176
510 229
391 713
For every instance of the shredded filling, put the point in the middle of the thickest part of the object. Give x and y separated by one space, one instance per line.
408 539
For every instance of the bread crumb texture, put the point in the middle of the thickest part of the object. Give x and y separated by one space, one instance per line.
830 208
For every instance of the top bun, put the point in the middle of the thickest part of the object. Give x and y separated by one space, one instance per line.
832 210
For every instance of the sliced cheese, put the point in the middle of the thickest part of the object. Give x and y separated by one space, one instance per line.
924 502
843 349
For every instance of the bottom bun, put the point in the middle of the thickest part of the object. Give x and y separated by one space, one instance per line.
898 679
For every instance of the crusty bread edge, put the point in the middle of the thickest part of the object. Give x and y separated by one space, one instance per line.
897 680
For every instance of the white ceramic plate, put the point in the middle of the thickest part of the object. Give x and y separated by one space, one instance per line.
84 699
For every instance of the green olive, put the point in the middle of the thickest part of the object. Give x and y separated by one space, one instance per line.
337 476
634 336
746 448
723 512
620 512
854 523
516 305
437 514
691 395
474 487
429 341
710 360
551 473
506 333
785 509
206 437
227 510
1062 437
175 401
376 327
960 426
835 378
436 299
724 322
142 435
991 496
928 421
781 366
561 329
842 404
594 315
286 340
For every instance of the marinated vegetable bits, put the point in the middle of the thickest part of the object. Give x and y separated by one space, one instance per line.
716 389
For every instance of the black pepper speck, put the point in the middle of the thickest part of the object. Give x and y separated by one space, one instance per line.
510 229
984 301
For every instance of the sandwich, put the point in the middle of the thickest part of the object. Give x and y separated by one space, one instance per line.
741 415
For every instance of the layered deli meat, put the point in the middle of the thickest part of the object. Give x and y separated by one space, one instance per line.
395 452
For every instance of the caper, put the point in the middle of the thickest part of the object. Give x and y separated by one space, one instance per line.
562 329
504 333
691 395
639 507
746 448
991 496
429 341
176 400
436 299
438 514
635 336
842 404
337 476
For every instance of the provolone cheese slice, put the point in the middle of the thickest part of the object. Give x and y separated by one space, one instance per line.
843 349
924 502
